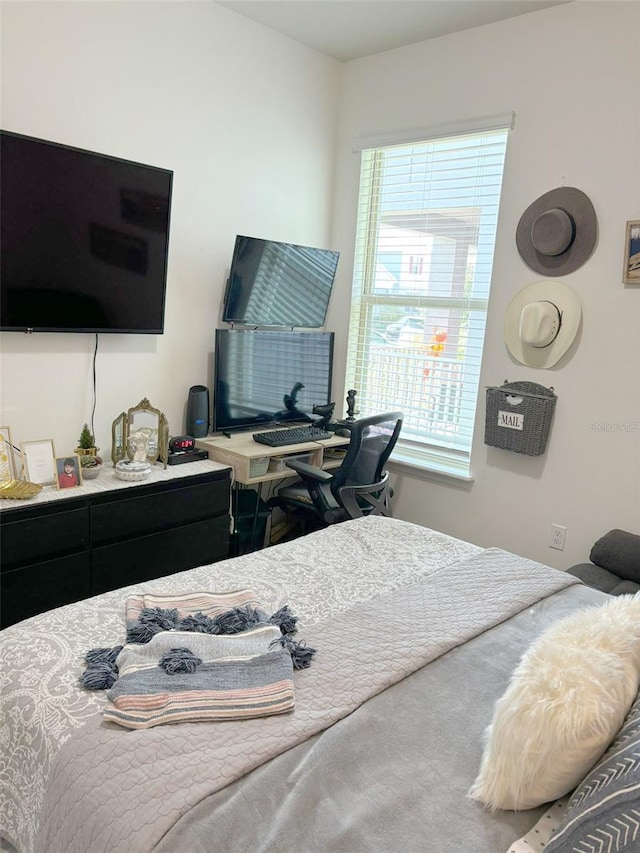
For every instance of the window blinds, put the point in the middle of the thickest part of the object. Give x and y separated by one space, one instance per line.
425 239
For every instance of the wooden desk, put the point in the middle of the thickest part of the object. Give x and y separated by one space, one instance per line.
255 463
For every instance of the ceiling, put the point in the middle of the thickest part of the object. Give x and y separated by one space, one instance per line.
349 29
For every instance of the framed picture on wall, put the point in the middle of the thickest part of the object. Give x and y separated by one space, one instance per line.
68 472
7 467
631 274
38 461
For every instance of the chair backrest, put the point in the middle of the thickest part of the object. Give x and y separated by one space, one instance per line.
372 440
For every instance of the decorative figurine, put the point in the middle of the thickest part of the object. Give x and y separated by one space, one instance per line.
326 413
86 443
137 468
351 405
139 443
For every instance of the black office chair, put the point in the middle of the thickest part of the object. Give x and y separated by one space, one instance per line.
360 486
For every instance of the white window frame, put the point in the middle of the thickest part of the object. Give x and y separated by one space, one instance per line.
450 457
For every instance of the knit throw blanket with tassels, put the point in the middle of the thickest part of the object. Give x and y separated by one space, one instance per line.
198 656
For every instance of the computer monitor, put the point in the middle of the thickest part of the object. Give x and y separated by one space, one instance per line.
266 377
278 284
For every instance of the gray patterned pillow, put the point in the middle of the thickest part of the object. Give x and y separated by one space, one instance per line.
604 810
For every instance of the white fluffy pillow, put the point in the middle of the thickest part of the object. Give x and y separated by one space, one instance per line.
564 705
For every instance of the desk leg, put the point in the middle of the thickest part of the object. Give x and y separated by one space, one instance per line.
248 505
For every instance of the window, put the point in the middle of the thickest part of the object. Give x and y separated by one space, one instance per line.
427 216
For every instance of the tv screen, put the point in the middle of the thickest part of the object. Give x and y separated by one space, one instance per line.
278 284
84 240
263 376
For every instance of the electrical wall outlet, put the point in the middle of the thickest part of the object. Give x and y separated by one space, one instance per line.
558 535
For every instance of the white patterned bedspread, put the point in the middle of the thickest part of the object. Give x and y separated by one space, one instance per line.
41 658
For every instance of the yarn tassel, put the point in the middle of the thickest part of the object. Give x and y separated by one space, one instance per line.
101 676
165 619
102 655
240 619
141 632
180 660
101 672
301 654
285 620
198 622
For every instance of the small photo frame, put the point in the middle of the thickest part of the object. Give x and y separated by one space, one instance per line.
38 460
7 467
631 274
68 472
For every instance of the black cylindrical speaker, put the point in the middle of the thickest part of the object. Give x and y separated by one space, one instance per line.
198 411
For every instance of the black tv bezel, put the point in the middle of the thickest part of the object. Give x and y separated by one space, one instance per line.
254 425
92 329
229 286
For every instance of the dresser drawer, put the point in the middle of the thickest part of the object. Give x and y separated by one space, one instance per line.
154 513
44 537
148 557
43 586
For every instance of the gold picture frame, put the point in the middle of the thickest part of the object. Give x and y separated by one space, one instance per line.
140 425
38 461
631 269
7 464
68 471
143 429
119 438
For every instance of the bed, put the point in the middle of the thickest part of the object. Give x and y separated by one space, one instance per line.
416 636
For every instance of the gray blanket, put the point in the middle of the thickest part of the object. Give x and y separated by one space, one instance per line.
328 794
126 791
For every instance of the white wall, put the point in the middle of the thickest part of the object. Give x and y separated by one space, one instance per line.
570 74
245 118
247 121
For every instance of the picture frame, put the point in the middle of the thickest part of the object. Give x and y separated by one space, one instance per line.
68 471
631 269
7 465
38 460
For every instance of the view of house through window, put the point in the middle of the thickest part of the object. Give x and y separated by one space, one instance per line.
425 238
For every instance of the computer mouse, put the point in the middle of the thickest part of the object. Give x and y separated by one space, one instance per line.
343 432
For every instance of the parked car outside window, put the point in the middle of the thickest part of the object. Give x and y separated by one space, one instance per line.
410 323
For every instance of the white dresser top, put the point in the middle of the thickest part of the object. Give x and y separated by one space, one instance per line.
107 481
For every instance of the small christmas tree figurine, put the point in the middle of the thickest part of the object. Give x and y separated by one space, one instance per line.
87 442
86 439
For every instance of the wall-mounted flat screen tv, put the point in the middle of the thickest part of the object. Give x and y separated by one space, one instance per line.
83 240
278 284
264 376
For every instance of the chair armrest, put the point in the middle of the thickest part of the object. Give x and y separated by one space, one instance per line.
595 576
306 470
619 552
374 499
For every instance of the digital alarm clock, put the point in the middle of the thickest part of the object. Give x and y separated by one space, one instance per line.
182 443
182 448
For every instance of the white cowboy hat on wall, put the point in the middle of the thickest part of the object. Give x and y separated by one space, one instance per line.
541 323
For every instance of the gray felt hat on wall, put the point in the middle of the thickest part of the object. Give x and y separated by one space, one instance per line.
557 233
